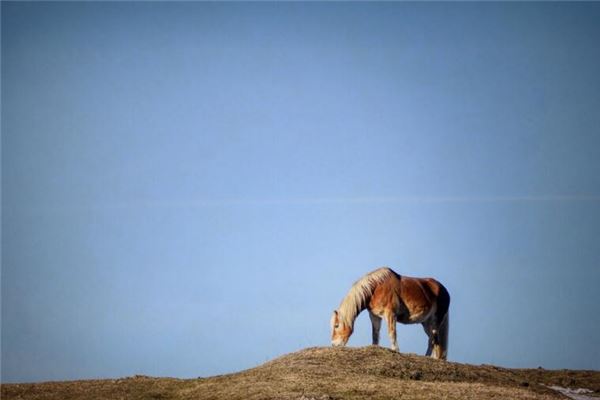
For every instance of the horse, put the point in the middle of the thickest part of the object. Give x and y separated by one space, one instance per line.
396 298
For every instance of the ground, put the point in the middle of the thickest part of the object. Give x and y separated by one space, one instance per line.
326 373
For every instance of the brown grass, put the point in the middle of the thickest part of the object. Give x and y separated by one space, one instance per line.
330 373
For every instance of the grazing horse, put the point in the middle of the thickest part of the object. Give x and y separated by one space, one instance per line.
397 299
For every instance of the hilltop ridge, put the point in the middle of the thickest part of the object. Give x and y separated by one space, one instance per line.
326 373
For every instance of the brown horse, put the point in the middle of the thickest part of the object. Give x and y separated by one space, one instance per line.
397 299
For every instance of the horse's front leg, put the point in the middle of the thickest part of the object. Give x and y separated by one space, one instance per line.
376 324
390 319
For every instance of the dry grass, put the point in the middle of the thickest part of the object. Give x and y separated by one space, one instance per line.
329 373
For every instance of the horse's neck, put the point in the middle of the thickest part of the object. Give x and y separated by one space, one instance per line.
361 292
350 308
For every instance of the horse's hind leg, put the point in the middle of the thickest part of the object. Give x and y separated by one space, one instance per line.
376 324
437 343
427 328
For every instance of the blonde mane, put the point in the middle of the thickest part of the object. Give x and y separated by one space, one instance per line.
360 293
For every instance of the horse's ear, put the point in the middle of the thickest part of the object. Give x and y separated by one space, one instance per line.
335 312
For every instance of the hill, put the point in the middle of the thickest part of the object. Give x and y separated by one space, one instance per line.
325 373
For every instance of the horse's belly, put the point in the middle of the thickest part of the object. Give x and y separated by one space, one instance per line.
416 303
414 315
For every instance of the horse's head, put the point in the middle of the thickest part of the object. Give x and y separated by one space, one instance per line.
340 332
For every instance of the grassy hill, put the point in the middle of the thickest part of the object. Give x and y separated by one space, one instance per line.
330 373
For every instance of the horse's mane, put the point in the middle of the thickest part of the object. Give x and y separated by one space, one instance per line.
356 299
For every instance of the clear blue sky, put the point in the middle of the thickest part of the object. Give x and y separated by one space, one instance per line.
190 189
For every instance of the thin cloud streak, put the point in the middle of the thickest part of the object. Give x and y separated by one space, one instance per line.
205 203
452 199
405 199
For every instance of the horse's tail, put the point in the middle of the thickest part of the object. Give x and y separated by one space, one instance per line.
443 336
443 325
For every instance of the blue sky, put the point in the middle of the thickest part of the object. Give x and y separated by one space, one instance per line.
190 189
